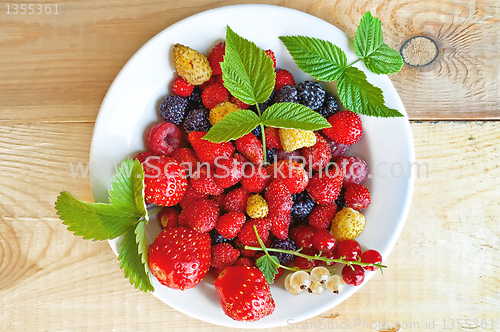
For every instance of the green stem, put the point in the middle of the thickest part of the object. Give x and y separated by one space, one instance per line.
263 247
349 65
263 134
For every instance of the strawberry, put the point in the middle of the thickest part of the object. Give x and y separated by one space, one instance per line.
219 200
236 200
239 103
280 223
216 57
163 138
191 195
270 53
182 88
180 257
346 128
317 156
165 181
230 224
247 233
142 156
214 95
251 147
283 77
244 261
187 158
272 138
203 180
278 198
357 196
169 217
255 180
241 159
324 188
201 216
321 216
228 173
241 247
292 173
191 65
206 84
208 151
223 255
244 293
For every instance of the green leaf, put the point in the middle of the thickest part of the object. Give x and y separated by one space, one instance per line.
131 261
233 126
360 96
293 115
247 70
319 58
127 189
369 45
269 267
142 246
96 221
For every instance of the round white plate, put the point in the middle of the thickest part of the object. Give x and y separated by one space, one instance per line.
131 107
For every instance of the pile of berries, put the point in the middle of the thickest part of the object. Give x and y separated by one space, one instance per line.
308 195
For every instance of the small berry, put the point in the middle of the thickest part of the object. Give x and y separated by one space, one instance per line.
169 217
302 207
311 94
217 238
216 56
323 240
187 158
201 216
239 103
292 173
220 111
287 94
295 230
286 244
294 139
173 109
251 147
194 99
223 255
330 106
294 155
357 196
197 120
244 261
316 289
247 233
228 172
271 155
317 156
219 200
337 150
346 128
289 287
270 53
280 225
347 224
272 138
214 95
324 188
191 195
163 138
257 131
321 216
236 200
283 77
230 224
355 169
165 181
305 237
191 65
257 207
300 280
350 249
304 264
182 88
371 256
142 156
255 180
320 275
203 180
208 151
353 276
335 284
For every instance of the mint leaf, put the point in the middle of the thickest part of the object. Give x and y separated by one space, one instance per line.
360 96
127 189
269 267
247 71
131 261
96 221
233 126
142 246
319 58
369 45
293 115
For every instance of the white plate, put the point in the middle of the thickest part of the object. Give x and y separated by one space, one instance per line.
131 107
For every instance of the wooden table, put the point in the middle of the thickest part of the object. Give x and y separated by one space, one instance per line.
54 72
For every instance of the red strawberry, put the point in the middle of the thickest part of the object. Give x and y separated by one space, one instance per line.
346 128
219 200
230 224
165 181
191 195
321 216
216 57
247 234
241 159
278 198
355 169
292 173
251 147
244 261
180 257
317 156
357 196
201 216
280 223
236 200
181 88
324 188
270 53
244 293
208 151
239 103
223 255
142 156
203 180
283 77
206 84
187 158
228 173
255 180
214 95
272 138
163 138
169 217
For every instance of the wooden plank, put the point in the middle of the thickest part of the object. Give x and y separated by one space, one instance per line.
59 67
444 265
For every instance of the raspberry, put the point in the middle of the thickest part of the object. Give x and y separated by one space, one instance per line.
194 99
236 200
182 88
292 173
216 57
286 244
216 237
270 53
330 106
201 216
321 216
214 95
228 172
346 128
169 217
191 65
230 224
311 94
255 180
257 207
294 139
251 148
165 181
357 196
272 138
347 224
142 156
208 151
239 103
203 180
173 108
337 150
317 156
187 158
197 120
244 261
324 188
302 207
223 255
283 77
355 169
220 111
191 195
287 94
247 233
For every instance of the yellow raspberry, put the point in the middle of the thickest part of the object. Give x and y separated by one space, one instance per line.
191 65
257 207
220 111
294 139
347 224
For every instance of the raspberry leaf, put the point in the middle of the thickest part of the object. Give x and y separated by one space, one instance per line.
233 126
269 267
293 115
131 261
319 58
247 70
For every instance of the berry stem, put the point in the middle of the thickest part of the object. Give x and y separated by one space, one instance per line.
349 65
263 134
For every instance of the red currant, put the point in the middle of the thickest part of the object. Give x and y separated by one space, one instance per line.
305 237
350 249
353 276
323 240
294 231
371 256
330 254
181 87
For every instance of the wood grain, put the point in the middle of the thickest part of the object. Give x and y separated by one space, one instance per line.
59 67
444 265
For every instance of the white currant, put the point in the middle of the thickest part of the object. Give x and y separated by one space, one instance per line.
289 287
320 275
335 284
316 288
300 280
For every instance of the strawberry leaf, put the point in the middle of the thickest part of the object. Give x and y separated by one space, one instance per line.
142 246
233 126
293 115
269 267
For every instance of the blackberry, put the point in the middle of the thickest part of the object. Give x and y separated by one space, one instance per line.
217 238
286 244
264 105
340 201
311 94
302 207
173 108
257 132
287 94
270 153
194 99
330 106
197 120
